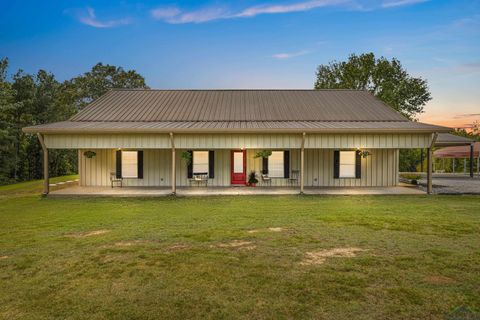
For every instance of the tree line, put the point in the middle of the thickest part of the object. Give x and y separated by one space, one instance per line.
27 99
32 99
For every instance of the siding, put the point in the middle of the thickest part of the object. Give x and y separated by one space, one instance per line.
238 141
378 169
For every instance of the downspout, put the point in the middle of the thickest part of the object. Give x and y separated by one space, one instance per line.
46 180
174 175
430 164
302 164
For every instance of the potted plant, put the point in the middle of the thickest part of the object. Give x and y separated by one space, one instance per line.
89 154
252 179
187 157
263 154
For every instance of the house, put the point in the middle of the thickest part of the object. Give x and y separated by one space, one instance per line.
317 138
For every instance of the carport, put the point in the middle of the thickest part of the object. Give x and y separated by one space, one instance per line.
455 147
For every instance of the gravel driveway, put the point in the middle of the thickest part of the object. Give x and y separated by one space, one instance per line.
443 184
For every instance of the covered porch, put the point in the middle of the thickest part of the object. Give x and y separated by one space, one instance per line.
74 191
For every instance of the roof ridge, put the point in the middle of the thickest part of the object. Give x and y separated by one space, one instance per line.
233 89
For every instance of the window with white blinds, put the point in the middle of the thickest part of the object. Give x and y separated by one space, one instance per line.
275 165
347 164
200 162
129 164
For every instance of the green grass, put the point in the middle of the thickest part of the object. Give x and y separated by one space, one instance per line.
161 259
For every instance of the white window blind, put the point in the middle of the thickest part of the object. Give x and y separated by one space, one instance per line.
275 165
129 164
347 164
200 162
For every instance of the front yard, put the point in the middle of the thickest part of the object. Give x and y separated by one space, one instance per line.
357 257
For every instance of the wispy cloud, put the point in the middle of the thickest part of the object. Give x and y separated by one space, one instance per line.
89 18
294 7
467 115
289 55
175 15
400 3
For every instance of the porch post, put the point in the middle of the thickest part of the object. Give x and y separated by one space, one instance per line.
302 164
430 164
174 172
471 160
46 179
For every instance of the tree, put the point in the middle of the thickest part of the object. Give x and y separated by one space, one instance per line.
94 83
27 100
386 79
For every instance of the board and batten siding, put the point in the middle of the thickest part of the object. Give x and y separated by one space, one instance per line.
237 141
380 168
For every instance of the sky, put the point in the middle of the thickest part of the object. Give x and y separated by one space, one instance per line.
252 43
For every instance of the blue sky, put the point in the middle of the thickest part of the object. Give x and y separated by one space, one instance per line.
252 44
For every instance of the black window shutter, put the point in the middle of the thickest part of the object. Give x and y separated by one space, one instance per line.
358 165
190 166
286 164
265 165
336 164
118 163
140 164
211 164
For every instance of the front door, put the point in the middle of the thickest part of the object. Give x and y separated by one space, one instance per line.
238 167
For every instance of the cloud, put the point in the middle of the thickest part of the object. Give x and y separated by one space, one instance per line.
294 7
283 56
175 16
467 115
400 3
89 18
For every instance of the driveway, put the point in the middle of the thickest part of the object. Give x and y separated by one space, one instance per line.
457 184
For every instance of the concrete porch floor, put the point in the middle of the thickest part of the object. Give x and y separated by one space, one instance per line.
210 191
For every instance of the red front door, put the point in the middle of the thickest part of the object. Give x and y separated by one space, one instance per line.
238 167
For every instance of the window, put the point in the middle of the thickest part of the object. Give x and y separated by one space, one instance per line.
129 164
347 164
275 165
200 162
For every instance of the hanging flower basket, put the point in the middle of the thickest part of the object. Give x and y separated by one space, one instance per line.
89 154
263 154
364 153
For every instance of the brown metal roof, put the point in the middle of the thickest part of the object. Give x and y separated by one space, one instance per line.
447 139
138 110
237 105
458 151
235 126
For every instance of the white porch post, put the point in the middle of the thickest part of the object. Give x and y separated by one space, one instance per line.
430 164
46 179
302 164
174 172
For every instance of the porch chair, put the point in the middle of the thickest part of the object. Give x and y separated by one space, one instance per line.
114 179
266 179
293 180
200 178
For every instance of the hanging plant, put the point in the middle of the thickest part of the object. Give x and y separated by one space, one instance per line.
263 154
89 154
364 153
187 157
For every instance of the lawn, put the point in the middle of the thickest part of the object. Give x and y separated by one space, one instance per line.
264 257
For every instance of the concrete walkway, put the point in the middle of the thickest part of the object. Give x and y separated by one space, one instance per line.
210 191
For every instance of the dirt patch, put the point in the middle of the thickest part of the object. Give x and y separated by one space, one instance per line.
129 243
236 244
439 280
272 229
87 234
179 247
4 257
319 257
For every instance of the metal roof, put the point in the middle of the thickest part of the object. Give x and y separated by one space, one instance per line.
144 110
237 105
447 139
458 151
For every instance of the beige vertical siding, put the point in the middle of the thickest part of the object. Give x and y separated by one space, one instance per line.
378 169
238 141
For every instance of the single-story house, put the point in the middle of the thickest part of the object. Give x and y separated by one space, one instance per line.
301 138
